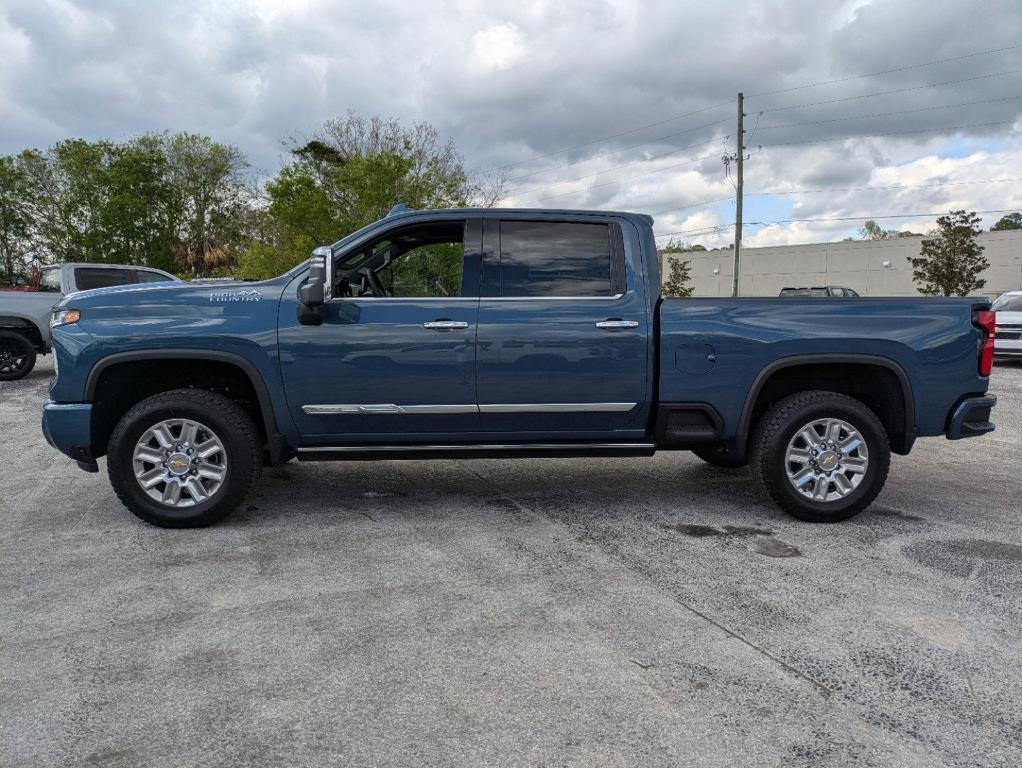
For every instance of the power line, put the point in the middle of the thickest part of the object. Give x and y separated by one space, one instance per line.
885 71
887 93
693 205
785 90
700 230
616 168
811 191
615 135
866 218
623 149
880 189
890 133
629 178
888 114
706 230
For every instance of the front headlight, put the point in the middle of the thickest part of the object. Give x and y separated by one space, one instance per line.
64 317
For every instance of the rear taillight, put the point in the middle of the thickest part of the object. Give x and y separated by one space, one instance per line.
986 320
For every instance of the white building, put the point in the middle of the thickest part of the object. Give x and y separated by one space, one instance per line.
871 267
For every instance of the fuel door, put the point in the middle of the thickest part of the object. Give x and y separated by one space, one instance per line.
695 358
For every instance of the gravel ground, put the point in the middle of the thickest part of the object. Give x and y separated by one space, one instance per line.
532 612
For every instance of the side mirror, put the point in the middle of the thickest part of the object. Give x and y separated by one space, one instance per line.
315 291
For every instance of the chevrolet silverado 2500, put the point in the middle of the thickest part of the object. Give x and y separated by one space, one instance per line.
480 333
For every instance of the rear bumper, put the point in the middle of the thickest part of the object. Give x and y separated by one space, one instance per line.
68 428
971 417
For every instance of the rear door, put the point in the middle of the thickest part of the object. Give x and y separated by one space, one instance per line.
563 330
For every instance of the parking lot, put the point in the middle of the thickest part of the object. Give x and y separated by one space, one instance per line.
533 612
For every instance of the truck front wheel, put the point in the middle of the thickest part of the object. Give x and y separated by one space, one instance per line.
821 456
17 356
184 458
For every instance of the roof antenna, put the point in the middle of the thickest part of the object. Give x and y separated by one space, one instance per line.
399 208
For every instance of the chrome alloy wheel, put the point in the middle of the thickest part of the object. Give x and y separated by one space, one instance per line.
826 459
180 462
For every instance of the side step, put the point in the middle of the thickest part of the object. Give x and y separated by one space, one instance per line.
483 451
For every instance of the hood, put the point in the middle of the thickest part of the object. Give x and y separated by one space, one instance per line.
1009 318
203 292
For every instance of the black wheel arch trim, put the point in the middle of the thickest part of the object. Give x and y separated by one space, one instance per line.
276 443
742 436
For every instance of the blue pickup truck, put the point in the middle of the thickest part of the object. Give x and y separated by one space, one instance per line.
480 333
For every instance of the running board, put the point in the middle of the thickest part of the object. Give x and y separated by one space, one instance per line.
486 451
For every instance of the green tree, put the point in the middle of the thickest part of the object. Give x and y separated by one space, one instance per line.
950 263
208 181
1011 221
349 175
873 231
104 202
17 220
676 285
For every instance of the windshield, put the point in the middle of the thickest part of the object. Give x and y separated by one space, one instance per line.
1008 303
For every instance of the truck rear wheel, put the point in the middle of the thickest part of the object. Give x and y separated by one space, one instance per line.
184 458
821 456
17 356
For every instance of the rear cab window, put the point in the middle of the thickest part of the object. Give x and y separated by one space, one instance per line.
144 276
550 259
49 280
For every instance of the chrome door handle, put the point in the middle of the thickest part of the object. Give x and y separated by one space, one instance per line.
615 325
445 325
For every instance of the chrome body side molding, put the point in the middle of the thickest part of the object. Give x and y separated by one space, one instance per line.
376 409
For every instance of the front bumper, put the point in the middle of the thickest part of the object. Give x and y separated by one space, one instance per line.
68 428
971 417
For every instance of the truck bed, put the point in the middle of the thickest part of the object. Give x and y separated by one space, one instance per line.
720 351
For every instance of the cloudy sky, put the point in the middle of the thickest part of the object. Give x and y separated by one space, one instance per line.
579 103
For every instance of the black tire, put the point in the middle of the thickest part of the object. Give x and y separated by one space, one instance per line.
225 418
780 425
17 356
719 456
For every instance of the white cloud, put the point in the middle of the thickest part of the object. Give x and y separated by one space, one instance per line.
496 48
541 85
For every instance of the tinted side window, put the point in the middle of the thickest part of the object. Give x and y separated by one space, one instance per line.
424 261
555 259
142 276
87 278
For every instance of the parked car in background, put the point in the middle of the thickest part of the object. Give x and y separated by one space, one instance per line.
1008 335
25 310
486 332
824 291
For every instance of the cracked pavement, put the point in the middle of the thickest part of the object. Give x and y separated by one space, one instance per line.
569 612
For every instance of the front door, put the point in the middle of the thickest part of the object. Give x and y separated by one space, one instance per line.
563 332
394 359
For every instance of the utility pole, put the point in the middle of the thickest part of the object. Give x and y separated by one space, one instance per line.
740 183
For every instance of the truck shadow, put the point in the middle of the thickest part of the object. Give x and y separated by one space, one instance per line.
565 488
